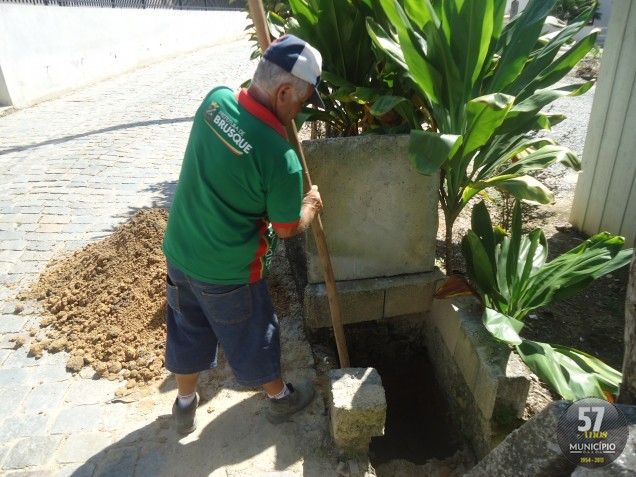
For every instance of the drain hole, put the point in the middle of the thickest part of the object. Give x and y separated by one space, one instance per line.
418 424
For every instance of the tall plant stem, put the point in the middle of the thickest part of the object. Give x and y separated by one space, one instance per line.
449 247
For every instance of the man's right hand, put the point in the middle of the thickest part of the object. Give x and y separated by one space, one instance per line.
312 199
311 206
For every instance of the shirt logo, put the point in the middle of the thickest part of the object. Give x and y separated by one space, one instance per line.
226 130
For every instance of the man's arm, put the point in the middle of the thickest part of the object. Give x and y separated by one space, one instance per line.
312 205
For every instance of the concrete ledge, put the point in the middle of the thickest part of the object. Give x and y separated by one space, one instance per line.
485 382
357 406
372 299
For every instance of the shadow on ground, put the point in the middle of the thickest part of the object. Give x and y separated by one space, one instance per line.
234 441
61 140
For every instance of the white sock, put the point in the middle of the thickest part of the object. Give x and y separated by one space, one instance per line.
284 393
185 401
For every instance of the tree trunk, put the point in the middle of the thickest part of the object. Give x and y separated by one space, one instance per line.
627 394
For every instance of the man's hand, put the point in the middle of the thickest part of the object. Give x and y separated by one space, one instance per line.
312 200
311 206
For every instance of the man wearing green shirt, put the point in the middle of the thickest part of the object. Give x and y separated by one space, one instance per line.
240 188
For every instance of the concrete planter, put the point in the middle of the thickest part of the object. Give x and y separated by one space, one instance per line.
380 221
380 215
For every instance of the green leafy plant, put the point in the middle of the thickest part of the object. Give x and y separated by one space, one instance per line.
484 85
361 89
513 277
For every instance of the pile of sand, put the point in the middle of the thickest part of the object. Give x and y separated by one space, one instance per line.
105 304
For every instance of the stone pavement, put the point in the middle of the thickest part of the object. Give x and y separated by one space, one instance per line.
74 169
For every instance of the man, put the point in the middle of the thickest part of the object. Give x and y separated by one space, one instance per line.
239 189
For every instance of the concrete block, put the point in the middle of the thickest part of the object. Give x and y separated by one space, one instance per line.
445 318
513 387
360 300
467 360
372 299
357 406
380 215
485 391
410 294
530 450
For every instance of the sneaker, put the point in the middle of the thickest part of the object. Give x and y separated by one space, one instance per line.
186 418
282 409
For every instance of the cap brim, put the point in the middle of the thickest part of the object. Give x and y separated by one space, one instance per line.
316 100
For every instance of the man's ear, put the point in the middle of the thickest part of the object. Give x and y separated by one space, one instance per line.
284 93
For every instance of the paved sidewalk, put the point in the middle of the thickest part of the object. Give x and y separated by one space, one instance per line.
74 169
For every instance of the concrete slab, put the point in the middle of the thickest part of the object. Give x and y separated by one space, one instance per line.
371 299
380 215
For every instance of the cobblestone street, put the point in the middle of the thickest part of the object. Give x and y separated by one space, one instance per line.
73 169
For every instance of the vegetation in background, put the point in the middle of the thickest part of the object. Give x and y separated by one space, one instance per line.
513 277
484 84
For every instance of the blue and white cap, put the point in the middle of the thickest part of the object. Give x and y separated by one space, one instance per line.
300 59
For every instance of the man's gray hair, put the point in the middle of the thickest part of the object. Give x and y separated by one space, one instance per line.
269 76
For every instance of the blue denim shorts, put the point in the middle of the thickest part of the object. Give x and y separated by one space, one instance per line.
201 316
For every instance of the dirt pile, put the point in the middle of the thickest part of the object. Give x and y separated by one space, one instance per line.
105 304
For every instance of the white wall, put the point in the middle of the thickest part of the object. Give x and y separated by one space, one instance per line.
605 196
49 50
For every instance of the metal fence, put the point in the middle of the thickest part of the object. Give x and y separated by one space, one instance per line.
167 4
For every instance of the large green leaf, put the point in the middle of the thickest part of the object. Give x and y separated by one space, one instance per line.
512 255
481 269
502 327
384 104
559 371
427 78
560 67
521 187
542 158
387 44
545 56
428 150
469 40
481 224
609 379
574 270
483 117
522 117
532 255
503 148
518 42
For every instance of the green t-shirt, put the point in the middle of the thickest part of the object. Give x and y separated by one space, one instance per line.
238 174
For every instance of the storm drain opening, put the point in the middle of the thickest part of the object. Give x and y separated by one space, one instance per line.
418 425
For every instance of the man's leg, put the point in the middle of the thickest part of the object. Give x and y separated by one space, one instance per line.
274 387
187 387
187 383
